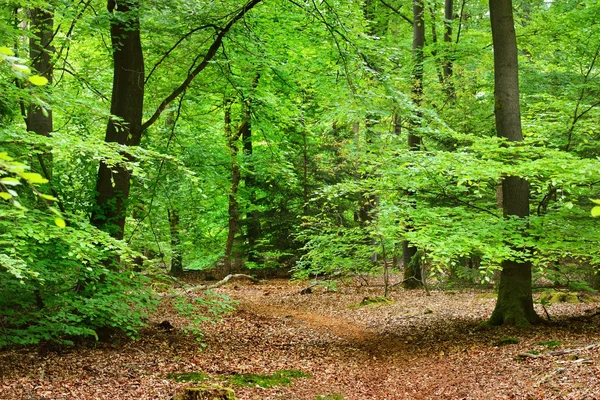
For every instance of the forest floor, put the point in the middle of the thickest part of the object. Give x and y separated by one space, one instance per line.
417 347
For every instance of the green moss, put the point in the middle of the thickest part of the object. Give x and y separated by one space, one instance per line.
373 301
212 392
188 376
333 396
506 341
552 297
281 378
487 295
551 344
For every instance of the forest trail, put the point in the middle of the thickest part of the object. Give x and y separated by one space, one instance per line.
417 347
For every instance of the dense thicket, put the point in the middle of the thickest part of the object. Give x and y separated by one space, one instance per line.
273 135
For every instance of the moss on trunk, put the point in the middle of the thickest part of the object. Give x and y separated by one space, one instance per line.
515 302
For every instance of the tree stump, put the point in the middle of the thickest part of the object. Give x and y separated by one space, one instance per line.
207 392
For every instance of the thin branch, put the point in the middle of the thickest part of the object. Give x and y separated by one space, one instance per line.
177 43
203 64
397 11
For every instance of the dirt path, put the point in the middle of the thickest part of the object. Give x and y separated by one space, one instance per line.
419 347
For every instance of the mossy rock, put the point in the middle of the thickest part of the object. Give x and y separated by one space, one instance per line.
207 392
553 297
373 301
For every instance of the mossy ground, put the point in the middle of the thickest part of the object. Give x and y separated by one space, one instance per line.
373 301
281 378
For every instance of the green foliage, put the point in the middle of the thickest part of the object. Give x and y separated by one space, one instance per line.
64 288
208 307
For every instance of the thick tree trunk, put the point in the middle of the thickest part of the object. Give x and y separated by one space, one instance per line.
113 183
515 303
412 268
40 51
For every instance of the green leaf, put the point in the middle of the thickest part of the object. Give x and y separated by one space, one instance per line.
60 222
48 197
6 51
596 212
38 80
21 68
34 178
10 181
595 201
5 196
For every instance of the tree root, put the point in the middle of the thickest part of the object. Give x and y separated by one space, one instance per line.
559 352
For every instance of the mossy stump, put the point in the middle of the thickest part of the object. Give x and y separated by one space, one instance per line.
207 392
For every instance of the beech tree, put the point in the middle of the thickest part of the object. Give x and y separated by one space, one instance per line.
515 300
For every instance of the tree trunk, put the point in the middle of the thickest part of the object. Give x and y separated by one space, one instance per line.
515 302
232 143
113 182
448 66
40 51
412 268
176 256
253 229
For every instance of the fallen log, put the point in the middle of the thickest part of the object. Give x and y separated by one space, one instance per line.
222 282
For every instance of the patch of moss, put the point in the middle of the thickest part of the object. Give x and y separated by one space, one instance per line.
373 301
551 344
213 392
487 295
281 378
552 297
187 376
506 341
333 396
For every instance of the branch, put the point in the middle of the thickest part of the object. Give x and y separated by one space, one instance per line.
177 43
397 11
203 64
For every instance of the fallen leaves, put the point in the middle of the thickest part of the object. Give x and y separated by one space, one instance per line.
414 347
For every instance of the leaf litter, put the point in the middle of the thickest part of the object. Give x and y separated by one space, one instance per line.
416 346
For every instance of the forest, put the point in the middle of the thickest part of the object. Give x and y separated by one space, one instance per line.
299 199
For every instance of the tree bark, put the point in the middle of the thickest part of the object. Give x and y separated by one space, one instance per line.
253 227
113 182
447 68
412 268
515 302
40 50
233 209
176 256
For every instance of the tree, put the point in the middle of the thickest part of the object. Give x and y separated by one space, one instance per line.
124 126
412 266
515 301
